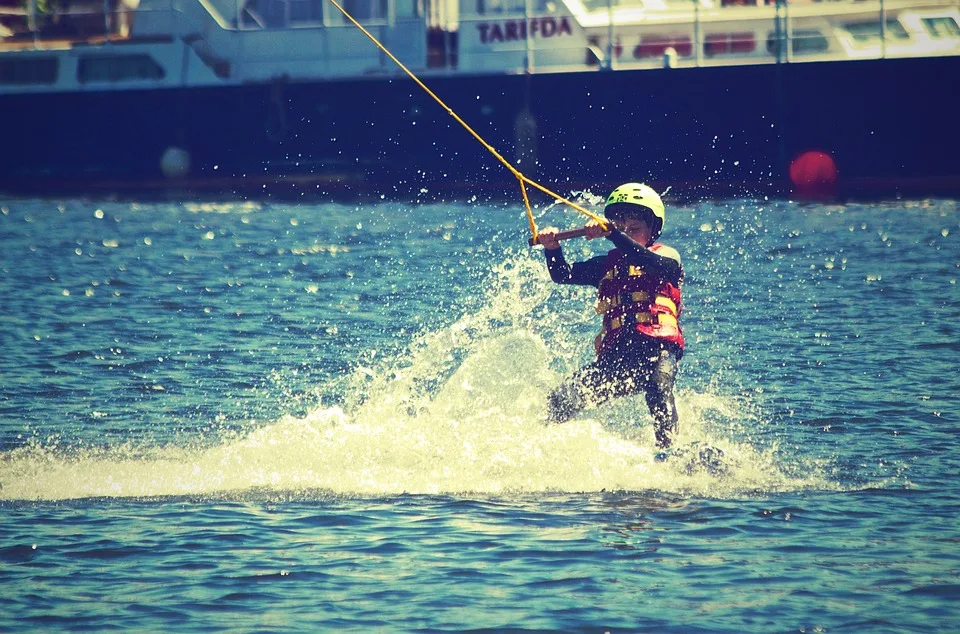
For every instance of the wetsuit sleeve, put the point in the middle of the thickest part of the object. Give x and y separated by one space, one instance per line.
587 273
666 266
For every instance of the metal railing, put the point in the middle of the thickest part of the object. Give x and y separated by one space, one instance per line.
782 36
693 33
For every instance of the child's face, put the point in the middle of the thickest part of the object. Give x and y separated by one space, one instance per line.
637 229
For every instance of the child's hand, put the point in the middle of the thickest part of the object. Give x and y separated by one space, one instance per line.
594 230
548 238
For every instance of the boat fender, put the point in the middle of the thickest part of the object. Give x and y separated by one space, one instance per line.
175 162
814 175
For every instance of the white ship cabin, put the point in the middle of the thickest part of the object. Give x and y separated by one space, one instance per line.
562 35
117 44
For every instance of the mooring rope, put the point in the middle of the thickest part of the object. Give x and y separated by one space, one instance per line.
523 180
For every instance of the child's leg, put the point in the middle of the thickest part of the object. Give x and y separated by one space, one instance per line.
590 386
574 394
660 399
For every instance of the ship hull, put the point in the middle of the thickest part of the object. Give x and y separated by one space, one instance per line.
887 125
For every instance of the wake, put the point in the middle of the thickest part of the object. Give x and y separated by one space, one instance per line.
461 411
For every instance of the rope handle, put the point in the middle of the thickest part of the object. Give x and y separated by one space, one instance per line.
562 235
524 181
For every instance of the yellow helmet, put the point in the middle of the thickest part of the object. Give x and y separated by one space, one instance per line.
635 199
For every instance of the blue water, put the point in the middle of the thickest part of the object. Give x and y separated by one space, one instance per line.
256 417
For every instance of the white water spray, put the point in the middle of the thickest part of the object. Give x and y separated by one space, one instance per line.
462 411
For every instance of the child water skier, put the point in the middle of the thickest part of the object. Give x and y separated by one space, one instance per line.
638 284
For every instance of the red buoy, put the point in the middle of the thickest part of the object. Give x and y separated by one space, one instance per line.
814 175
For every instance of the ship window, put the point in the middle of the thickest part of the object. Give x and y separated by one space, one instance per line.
724 43
803 41
279 14
657 45
34 70
309 11
869 32
366 9
942 27
113 68
407 9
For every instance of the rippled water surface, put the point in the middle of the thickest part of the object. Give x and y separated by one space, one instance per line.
255 417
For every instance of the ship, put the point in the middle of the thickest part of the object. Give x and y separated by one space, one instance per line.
292 99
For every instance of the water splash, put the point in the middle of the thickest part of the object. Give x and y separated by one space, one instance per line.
462 410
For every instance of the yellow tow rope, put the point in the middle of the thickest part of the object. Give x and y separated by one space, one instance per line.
524 181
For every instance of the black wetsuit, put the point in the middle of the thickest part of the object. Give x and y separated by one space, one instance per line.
636 362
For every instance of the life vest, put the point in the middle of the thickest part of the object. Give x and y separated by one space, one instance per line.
627 296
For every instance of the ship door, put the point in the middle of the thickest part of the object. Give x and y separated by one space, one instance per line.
441 34
441 48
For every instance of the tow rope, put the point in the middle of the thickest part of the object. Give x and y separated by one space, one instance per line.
523 180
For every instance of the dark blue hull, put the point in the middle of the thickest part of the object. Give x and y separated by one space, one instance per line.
889 126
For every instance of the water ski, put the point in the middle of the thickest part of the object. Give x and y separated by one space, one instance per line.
695 457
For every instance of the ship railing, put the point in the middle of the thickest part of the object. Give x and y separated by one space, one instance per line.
690 35
78 19
47 19
685 34
66 20
230 44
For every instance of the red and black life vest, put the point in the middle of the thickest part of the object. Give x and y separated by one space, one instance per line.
627 296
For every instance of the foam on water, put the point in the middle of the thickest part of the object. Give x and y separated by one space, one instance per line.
462 410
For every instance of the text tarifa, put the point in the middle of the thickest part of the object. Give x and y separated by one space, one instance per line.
511 30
